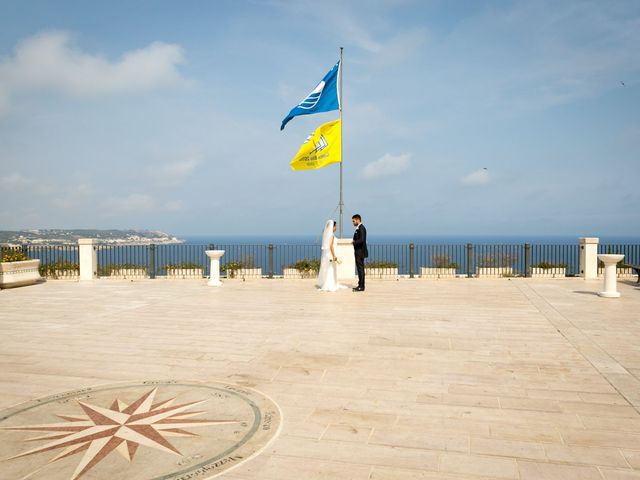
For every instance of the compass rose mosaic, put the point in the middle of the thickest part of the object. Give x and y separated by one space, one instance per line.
143 430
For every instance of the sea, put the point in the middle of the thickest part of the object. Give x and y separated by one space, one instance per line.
429 250
404 239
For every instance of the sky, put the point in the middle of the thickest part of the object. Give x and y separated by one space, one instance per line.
478 117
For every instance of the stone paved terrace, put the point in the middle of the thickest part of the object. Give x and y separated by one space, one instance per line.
415 379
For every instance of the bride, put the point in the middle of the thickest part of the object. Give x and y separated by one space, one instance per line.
328 274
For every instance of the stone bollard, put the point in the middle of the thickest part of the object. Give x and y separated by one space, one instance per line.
214 270
589 257
88 258
610 275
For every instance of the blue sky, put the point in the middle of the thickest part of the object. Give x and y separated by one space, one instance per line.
166 115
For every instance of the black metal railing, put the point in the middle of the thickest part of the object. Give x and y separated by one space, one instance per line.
122 261
554 259
631 256
275 260
631 252
56 261
441 260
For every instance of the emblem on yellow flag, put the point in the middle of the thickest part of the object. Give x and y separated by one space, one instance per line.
320 149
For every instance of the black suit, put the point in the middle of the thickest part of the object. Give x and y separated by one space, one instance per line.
361 252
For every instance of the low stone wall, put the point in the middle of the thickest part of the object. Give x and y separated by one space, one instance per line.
295 273
436 272
620 272
175 273
381 273
556 272
246 273
495 272
127 273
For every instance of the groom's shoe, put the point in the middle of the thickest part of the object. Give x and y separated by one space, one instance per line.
358 289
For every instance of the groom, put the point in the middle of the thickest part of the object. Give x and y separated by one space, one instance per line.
360 249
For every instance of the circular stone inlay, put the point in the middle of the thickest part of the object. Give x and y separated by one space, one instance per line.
164 430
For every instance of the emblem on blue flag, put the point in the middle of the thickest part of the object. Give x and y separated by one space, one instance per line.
324 98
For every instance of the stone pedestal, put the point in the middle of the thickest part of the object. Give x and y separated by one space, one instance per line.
610 288
344 251
589 257
88 258
214 270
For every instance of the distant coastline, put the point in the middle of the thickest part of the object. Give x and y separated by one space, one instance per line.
67 237
147 237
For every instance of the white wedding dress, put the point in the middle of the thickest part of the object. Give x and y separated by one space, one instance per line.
328 274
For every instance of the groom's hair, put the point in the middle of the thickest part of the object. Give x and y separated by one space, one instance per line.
357 216
334 223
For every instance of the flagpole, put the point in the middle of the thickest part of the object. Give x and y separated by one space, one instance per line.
341 204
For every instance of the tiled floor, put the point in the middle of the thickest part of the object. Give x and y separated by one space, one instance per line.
414 379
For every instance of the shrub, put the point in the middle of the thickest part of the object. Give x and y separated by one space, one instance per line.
443 261
111 268
620 264
549 265
306 265
231 268
183 266
610 251
248 261
53 270
497 261
13 255
381 264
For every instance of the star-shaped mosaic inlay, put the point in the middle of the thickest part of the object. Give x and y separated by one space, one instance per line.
120 427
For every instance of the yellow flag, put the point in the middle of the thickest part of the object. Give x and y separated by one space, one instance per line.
320 149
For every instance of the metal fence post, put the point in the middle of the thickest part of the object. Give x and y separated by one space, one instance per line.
152 261
412 254
527 259
211 247
271 260
469 259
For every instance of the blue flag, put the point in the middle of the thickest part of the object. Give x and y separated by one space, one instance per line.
324 98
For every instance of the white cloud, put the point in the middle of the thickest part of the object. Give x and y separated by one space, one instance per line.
387 165
631 135
479 177
84 189
381 44
355 32
175 173
566 51
73 196
3 102
383 52
14 180
135 202
51 62
139 203
174 206
181 168
401 48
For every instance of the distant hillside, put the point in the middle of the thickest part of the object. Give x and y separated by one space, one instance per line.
60 237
